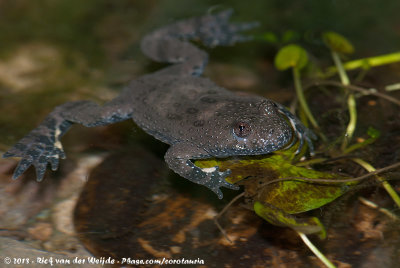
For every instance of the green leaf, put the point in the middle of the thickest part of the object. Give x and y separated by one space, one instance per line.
291 56
276 216
337 43
292 196
275 202
373 133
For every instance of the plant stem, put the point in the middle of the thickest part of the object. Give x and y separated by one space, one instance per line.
367 62
236 198
392 87
342 73
302 99
351 102
375 206
316 251
393 194
358 145
364 91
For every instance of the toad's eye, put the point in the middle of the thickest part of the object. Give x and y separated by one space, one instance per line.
242 129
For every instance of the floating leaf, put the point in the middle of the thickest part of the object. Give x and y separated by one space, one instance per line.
337 43
291 56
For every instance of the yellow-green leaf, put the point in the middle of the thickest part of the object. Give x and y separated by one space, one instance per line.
292 196
337 43
276 216
291 56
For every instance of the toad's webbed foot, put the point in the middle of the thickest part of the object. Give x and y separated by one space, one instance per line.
214 179
216 30
302 133
178 159
171 43
40 147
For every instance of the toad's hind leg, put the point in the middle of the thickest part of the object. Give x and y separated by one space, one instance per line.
171 43
42 145
302 132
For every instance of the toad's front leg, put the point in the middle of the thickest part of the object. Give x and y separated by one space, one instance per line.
42 145
178 158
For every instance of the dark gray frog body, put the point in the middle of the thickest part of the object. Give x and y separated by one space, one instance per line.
195 110
196 117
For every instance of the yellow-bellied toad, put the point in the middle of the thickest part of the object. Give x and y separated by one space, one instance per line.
196 117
